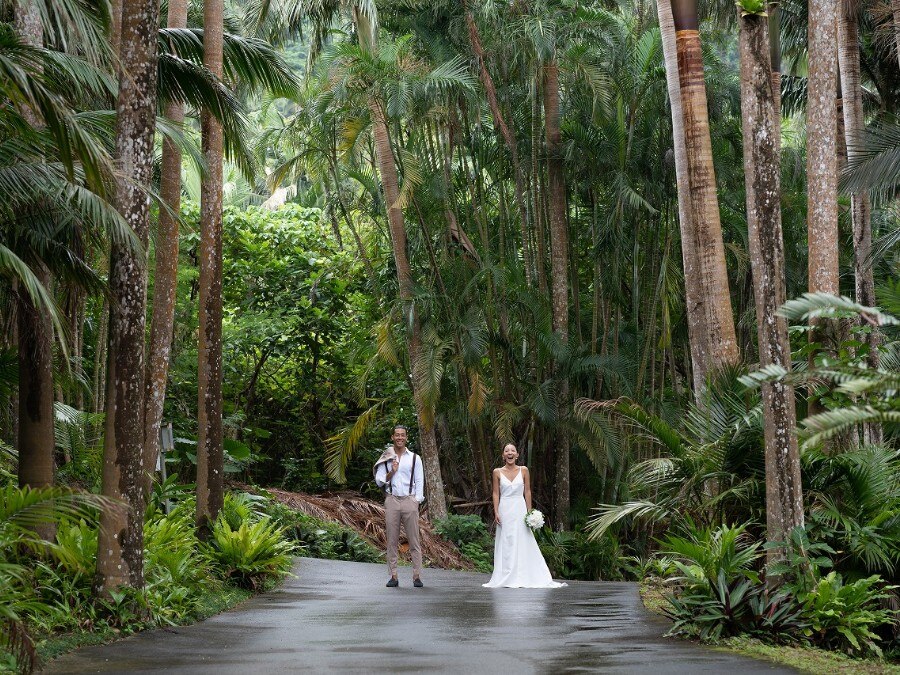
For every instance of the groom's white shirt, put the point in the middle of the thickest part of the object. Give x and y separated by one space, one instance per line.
400 480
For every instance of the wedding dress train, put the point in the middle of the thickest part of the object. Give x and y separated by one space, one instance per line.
518 562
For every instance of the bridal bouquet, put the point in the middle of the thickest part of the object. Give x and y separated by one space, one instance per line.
534 519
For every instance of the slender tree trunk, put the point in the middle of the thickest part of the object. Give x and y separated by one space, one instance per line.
437 501
861 205
775 61
704 203
210 450
821 161
761 124
895 9
694 300
559 260
165 280
822 148
35 438
100 359
121 541
508 135
115 26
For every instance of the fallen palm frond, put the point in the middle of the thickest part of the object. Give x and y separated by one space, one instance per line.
367 518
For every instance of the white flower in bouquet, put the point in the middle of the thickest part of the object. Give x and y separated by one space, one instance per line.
534 519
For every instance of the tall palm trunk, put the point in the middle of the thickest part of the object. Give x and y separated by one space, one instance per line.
121 542
165 280
775 61
822 162
694 298
210 450
761 129
559 261
711 272
821 167
35 440
861 205
437 501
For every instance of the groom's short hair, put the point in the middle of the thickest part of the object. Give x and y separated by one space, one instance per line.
399 426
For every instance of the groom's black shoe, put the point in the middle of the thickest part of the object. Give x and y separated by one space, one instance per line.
392 583
418 583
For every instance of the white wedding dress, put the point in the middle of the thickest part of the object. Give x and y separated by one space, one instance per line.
518 562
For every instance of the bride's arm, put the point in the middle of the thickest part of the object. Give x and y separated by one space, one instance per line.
527 479
496 479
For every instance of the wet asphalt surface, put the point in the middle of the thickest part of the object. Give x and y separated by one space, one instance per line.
338 617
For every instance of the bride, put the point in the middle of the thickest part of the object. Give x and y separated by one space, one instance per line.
518 562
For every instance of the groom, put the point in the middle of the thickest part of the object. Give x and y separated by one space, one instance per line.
399 473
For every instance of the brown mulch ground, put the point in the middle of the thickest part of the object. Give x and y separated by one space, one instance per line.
367 517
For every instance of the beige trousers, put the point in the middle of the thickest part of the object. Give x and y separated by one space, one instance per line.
403 510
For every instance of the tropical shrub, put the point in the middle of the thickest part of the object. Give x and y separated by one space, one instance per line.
463 529
252 553
471 537
575 555
732 606
843 616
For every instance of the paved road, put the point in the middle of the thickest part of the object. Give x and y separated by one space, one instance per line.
338 617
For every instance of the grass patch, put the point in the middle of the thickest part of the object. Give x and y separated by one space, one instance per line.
809 659
214 601
653 594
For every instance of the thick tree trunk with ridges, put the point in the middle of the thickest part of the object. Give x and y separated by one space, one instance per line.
694 299
713 277
121 541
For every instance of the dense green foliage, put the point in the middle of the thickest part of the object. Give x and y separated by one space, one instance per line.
48 586
318 358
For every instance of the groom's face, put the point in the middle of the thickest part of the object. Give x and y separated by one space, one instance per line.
399 438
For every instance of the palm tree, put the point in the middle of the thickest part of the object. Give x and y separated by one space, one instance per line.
694 299
861 205
210 451
48 205
507 132
366 24
821 165
120 546
559 259
165 279
35 440
761 130
705 219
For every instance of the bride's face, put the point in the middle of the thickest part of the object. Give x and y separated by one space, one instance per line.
510 454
